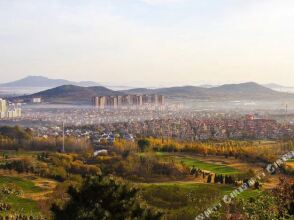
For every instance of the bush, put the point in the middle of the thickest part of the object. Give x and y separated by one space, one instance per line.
143 144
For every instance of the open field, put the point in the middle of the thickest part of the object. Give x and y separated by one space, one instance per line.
187 200
18 203
182 200
215 168
32 189
250 193
26 185
212 164
12 154
19 153
178 199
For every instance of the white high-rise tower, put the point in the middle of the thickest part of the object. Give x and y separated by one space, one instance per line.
3 108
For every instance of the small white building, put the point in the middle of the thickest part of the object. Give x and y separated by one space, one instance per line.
36 100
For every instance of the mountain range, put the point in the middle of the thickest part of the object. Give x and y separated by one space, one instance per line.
41 81
72 94
37 82
247 91
280 88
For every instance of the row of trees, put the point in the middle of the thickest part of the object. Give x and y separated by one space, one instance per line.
52 165
15 138
246 150
140 167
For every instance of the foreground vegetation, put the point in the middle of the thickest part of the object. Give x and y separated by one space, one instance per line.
148 179
182 200
18 191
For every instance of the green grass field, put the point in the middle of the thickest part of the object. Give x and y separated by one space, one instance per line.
19 204
22 206
250 193
215 168
191 161
18 153
26 185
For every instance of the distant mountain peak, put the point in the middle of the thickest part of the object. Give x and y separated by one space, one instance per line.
36 76
243 84
42 81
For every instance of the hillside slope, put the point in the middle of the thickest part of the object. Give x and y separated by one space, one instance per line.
71 94
41 81
243 91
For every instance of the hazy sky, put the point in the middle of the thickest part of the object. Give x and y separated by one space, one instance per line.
164 42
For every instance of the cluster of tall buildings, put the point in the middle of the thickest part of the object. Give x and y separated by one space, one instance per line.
9 111
102 102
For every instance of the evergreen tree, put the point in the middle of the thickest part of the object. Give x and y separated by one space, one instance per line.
221 179
102 198
209 178
143 144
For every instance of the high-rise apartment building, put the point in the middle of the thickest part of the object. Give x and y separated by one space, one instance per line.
161 100
102 102
99 102
112 102
3 108
137 100
146 99
119 100
95 101
154 99
127 100
12 111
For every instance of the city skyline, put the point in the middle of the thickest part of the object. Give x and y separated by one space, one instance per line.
148 41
